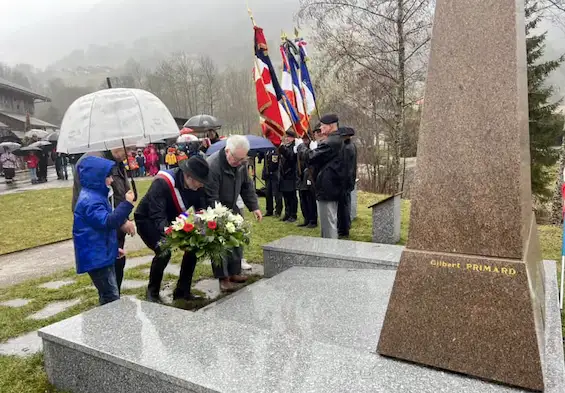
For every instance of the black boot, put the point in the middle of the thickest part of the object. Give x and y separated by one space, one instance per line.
153 297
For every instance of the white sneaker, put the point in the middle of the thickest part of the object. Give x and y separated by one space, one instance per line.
245 265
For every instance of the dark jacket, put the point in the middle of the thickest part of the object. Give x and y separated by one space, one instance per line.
271 165
350 164
120 185
327 163
304 172
225 183
95 224
140 159
157 210
287 168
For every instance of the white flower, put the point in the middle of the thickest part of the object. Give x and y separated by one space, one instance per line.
220 209
230 227
238 220
178 224
208 215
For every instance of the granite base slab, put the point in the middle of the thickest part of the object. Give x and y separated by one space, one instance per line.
303 333
290 251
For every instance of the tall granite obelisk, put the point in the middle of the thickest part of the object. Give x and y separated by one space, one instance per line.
468 295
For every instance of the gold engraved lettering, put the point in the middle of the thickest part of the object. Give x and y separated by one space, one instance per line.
511 272
495 270
504 270
486 268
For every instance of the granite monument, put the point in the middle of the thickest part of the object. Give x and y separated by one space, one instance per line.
468 295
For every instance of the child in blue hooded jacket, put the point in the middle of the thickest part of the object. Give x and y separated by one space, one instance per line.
95 224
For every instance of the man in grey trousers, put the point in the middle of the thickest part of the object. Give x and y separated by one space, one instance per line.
228 178
327 163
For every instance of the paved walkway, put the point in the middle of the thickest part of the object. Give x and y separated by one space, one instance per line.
41 261
25 185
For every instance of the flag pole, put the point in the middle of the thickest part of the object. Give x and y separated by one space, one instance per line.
285 102
299 70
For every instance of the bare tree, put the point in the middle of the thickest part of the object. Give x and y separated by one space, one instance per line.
380 43
210 82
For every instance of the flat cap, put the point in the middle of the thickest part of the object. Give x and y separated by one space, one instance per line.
329 119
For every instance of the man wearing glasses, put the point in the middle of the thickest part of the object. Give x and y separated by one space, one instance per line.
228 178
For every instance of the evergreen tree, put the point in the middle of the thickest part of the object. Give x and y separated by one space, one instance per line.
546 126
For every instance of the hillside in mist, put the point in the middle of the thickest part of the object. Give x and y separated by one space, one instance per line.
114 30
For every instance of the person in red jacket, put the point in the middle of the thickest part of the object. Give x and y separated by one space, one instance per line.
32 162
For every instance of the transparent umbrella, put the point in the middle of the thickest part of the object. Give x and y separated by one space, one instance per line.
9 146
36 133
113 118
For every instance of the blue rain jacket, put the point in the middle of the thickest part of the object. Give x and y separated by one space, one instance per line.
95 224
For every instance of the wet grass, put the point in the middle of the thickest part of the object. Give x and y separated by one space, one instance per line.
36 218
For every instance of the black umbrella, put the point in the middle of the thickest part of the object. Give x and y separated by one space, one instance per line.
202 123
24 151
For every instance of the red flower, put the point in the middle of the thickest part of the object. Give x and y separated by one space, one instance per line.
188 227
212 225
168 230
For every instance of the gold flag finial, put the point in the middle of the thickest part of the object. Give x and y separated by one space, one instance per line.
284 37
296 33
250 14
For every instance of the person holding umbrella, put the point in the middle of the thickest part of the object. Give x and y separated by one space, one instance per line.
8 160
109 130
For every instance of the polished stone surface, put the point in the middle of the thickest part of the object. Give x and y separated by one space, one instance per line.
15 303
316 252
25 345
472 199
317 338
473 190
463 313
554 376
54 309
56 284
386 220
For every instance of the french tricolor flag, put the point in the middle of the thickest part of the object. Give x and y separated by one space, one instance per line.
290 82
271 100
307 88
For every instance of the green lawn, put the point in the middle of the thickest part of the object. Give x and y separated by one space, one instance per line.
54 223
35 218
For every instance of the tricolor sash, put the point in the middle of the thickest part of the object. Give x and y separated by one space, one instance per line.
175 193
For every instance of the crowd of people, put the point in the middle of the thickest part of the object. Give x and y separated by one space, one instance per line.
103 201
321 171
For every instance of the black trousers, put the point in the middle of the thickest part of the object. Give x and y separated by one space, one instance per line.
290 204
160 262
344 214
308 206
272 192
120 263
158 265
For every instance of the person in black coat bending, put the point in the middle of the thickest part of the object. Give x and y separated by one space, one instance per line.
349 178
288 177
172 192
306 185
